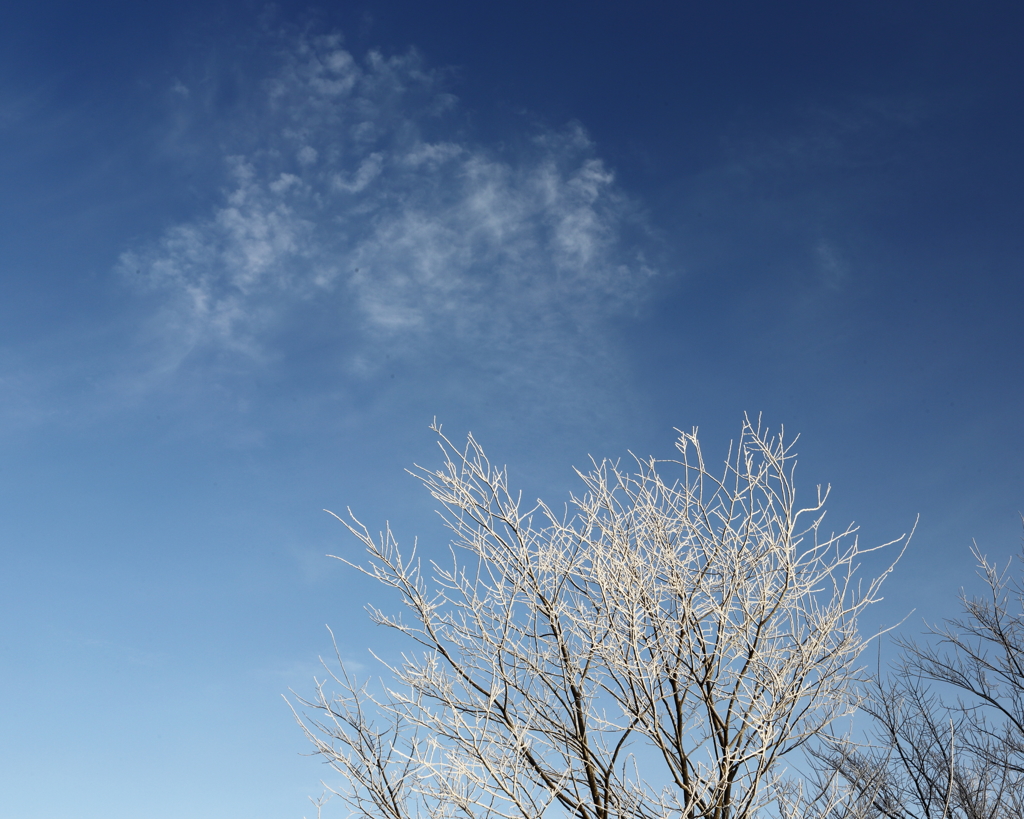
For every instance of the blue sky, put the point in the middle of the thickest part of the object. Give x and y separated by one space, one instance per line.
248 253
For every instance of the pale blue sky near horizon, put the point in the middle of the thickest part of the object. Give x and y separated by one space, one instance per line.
248 252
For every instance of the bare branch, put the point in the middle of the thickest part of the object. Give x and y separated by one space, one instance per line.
654 654
914 768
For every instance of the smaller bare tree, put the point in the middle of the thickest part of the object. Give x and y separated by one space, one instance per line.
656 653
948 720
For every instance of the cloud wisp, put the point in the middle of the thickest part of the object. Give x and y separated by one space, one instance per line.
356 196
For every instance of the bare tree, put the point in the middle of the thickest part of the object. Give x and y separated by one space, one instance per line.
948 720
654 650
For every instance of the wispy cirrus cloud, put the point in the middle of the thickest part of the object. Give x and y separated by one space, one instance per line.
356 193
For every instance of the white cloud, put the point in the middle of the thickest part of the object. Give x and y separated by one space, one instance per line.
831 265
361 194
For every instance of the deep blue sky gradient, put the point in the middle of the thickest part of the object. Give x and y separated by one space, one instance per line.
567 227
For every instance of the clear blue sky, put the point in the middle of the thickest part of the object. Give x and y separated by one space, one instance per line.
247 253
